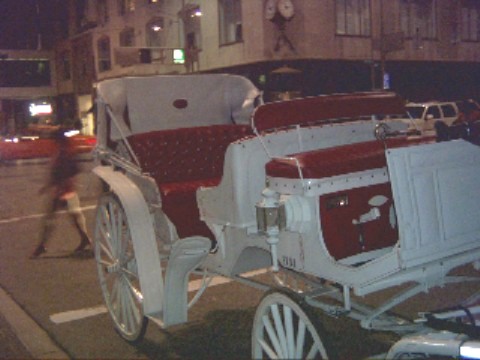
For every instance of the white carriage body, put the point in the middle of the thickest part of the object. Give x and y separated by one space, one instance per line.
305 157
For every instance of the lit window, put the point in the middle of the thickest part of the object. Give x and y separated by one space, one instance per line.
155 32
230 16
352 17
104 59
418 19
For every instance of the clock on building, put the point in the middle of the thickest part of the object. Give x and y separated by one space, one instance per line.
270 9
285 8
280 12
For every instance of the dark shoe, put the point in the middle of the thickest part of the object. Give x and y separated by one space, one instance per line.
38 251
82 246
83 254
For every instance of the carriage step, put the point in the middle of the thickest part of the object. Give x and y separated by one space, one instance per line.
186 255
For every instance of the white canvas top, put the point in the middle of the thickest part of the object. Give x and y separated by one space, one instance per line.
142 104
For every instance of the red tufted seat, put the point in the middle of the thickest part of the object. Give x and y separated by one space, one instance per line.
181 161
338 160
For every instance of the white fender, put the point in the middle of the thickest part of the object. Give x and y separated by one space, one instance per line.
143 236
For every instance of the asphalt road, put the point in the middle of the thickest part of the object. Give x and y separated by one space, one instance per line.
61 292
61 295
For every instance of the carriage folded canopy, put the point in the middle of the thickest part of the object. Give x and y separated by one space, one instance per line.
142 104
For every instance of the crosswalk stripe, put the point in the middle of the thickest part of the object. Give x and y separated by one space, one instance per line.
194 285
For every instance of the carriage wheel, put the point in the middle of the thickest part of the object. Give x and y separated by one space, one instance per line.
117 269
283 330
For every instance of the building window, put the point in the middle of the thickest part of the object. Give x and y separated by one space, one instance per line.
104 58
418 19
125 6
127 37
353 17
155 32
230 16
24 73
470 20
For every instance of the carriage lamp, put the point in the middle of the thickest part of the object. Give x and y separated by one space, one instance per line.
270 216
270 220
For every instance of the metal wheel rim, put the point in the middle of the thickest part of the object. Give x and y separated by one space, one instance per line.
282 330
117 269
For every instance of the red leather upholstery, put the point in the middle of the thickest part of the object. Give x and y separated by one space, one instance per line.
310 110
342 237
338 160
181 161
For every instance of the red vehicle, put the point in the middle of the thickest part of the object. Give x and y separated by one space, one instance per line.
36 147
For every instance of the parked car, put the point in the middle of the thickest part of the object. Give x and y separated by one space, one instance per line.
35 147
423 116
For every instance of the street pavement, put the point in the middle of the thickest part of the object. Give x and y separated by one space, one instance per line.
57 285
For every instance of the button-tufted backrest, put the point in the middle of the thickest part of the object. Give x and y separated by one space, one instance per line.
186 154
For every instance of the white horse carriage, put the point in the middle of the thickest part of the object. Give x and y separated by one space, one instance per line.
202 179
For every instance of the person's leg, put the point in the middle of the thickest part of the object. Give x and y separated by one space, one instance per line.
73 206
47 227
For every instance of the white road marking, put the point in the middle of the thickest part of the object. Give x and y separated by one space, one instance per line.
72 315
194 285
36 216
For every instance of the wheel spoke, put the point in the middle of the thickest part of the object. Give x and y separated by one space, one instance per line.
116 265
300 339
287 314
114 297
106 230
280 330
313 351
107 252
112 224
123 316
134 291
134 302
272 335
268 350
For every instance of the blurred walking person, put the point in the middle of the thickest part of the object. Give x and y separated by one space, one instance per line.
62 187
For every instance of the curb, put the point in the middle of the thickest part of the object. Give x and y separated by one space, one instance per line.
31 335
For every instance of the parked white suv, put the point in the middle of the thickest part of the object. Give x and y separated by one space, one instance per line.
422 116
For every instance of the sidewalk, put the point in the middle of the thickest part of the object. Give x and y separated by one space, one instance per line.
10 346
21 337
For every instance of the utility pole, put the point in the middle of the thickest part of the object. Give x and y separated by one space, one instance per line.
38 27
382 45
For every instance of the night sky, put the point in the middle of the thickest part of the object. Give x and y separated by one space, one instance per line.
20 24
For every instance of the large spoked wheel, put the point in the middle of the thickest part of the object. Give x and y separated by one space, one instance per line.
117 269
283 330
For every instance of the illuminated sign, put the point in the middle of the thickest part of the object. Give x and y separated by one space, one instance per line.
178 56
40 109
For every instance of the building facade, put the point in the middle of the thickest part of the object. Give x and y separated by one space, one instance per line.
28 31
423 49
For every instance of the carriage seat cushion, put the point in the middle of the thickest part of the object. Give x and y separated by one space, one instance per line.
185 154
338 160
181 161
